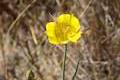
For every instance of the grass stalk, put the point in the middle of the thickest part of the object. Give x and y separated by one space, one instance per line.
74 75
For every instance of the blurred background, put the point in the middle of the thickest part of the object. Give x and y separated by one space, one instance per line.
26 54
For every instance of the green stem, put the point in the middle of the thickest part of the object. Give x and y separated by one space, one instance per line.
76 70
65 56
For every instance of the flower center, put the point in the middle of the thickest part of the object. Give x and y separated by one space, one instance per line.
62 30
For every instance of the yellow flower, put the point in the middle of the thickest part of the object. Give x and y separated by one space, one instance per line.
65 29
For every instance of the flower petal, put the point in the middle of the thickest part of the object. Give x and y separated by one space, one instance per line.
64 18
50 29
75 37
64 42
53 40
74 22
71 20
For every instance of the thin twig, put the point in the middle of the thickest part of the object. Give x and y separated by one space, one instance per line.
32 61
84 11
4 65
33 35
20 15
4 60
76 69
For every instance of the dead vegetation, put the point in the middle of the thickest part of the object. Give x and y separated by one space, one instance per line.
25 47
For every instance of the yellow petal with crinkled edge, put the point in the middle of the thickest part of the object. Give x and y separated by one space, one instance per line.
74 22
69 19
50 29
64 18
53 40
75 37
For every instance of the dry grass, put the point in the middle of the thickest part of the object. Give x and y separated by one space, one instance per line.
25 47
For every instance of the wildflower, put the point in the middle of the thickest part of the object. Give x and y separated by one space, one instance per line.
65 29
